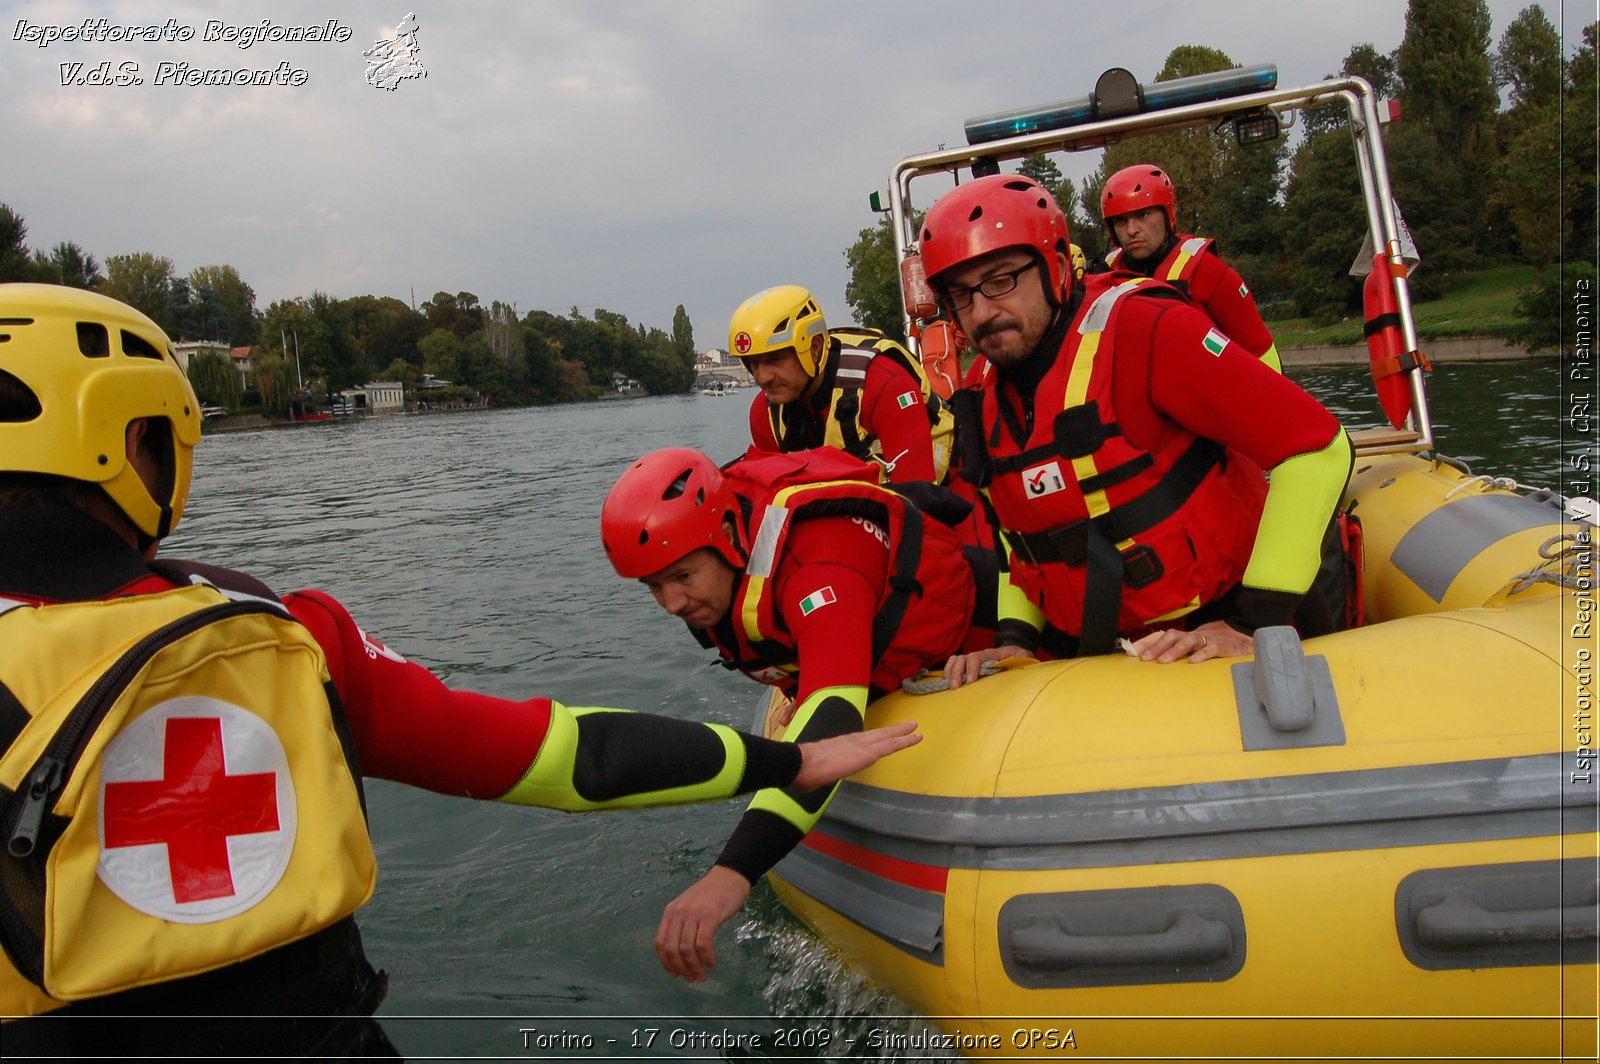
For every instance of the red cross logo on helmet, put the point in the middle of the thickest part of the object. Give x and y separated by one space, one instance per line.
741 343
197 811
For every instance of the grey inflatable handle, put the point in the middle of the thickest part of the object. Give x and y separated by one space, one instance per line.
1458 922
1190 939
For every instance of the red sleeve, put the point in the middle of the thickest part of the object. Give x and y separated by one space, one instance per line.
839 564
1218 289
411 728
761 436
893 410
1168 376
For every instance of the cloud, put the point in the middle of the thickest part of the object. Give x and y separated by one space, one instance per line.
631 154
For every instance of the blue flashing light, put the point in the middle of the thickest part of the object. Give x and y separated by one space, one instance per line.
1158 96
1029 120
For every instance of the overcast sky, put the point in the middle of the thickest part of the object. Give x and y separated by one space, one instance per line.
628 154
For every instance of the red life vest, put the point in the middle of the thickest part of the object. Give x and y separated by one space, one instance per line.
1107 537
925 605
1177 268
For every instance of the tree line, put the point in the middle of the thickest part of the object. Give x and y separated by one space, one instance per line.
1493 162
316 345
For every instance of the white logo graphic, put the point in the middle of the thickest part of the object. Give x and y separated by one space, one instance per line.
1042 480
197 811
392 60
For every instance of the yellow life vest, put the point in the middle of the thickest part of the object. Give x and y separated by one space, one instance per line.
175 793
853 351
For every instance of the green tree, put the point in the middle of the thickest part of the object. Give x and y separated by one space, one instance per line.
215 380
143 281
441 354
386 329
1324 219
68 264
1362 61
228 304
1528 62
273 377
1579 128
1448 87
15 263
683 335
873 290
458 314
330 350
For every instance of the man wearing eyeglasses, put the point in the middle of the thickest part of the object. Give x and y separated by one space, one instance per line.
1121 439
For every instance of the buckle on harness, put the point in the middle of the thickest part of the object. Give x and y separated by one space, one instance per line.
1068 544
1141 567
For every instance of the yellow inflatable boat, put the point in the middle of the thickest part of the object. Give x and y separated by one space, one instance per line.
1382 842
1379 843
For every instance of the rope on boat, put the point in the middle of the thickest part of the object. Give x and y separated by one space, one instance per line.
1565 548
1507 483
931 681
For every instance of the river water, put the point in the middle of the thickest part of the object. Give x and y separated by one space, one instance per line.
469 543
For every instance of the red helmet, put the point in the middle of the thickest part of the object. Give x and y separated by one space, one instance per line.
993 213
1133 188
668 504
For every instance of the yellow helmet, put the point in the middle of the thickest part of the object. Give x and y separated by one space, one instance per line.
1079 263
93 365
775 320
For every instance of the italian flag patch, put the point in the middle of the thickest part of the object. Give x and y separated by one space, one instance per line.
907 399
1214 342
1244 290
817 599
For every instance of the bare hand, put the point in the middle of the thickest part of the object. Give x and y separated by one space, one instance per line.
1214 639
830 760
963 668
686 939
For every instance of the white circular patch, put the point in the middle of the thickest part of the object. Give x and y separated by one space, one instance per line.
197 811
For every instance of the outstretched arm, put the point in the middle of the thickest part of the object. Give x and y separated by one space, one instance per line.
411 728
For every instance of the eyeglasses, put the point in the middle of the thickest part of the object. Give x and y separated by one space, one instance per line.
994 287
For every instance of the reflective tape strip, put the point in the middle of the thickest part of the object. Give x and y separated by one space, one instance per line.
1498 798
1438 547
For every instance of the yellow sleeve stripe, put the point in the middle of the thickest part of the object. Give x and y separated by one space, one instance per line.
1014 605
548 781
776 800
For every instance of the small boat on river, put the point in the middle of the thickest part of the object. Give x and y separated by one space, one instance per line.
1376 843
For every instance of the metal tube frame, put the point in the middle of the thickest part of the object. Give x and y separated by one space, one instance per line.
1372 164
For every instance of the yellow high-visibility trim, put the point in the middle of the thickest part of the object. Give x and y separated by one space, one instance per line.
548 781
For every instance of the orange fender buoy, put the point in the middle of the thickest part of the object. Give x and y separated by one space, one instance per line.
1386 345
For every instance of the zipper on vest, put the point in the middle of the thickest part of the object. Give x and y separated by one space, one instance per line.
50 773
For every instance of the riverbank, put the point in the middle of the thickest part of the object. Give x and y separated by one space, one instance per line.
1455 349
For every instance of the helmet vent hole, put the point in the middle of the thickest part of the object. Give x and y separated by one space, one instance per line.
677 487
16 321
17 401
135 346
977 212
93 340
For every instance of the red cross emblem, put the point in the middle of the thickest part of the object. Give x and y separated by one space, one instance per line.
197 814
192 809
741 343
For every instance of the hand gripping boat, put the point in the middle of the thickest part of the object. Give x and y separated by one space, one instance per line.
1376 843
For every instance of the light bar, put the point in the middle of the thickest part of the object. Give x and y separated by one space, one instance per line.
1158 96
